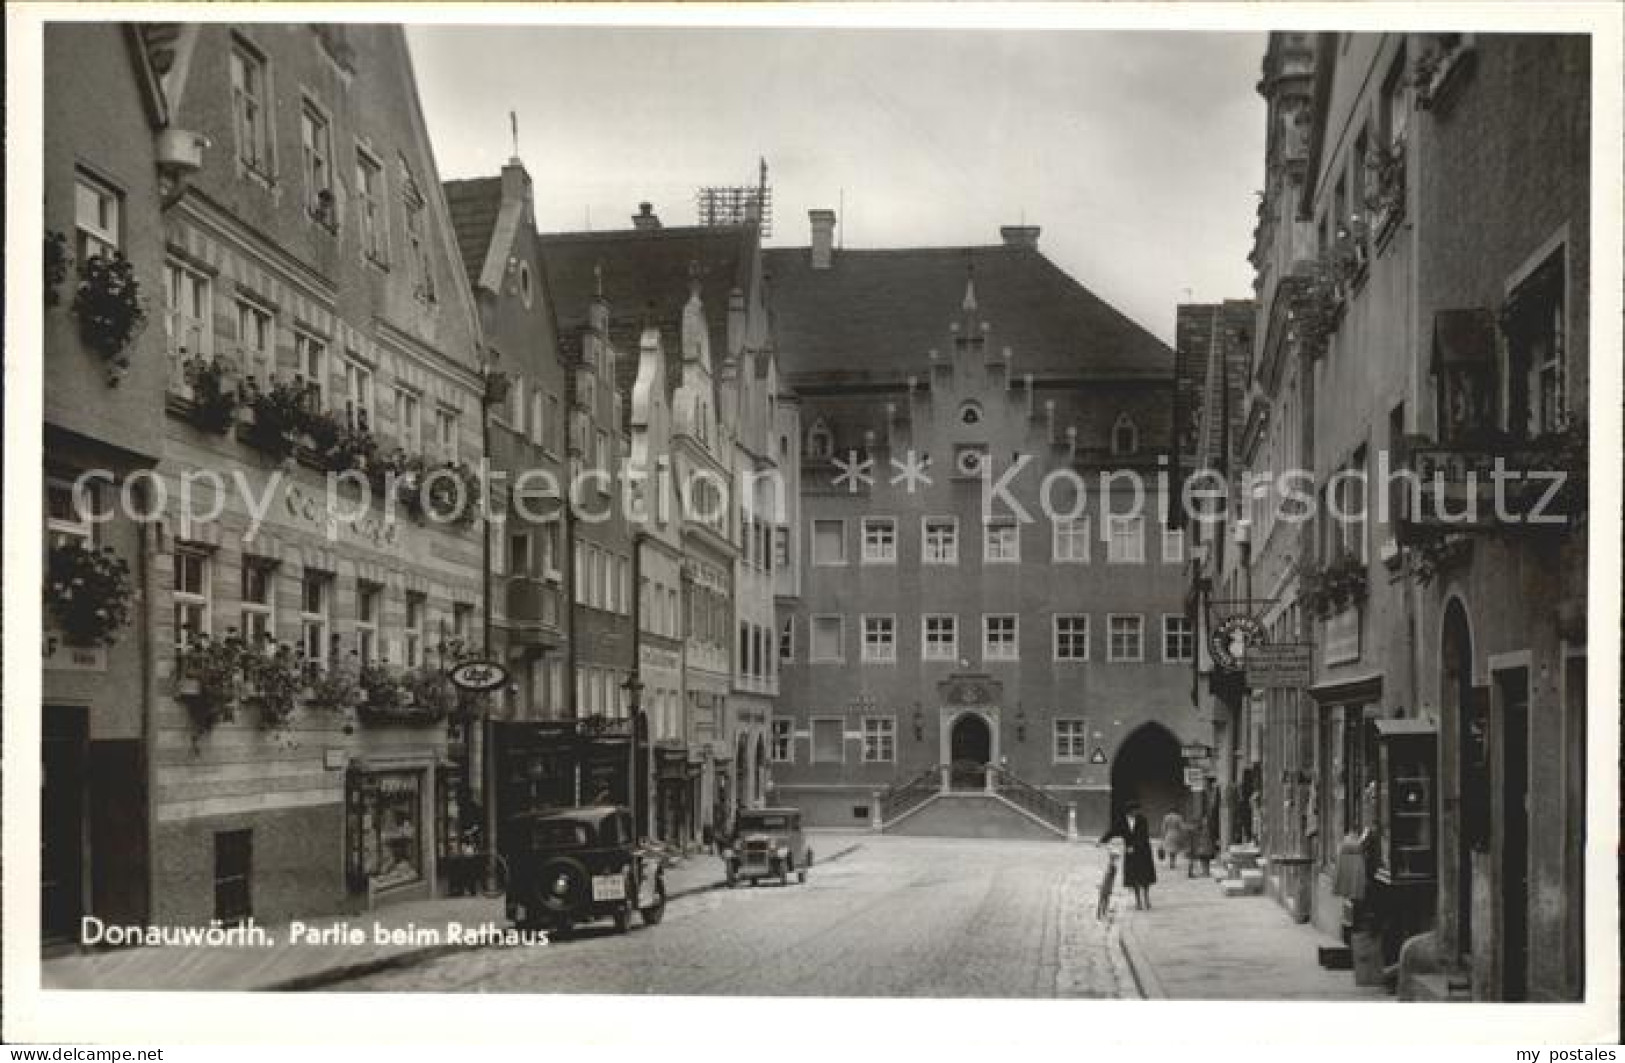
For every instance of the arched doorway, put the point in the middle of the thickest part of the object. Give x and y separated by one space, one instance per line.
970 749
1465 717
1149 769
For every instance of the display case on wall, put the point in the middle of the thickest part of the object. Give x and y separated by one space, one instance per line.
1407 794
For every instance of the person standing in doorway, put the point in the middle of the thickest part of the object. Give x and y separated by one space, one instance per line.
1139 866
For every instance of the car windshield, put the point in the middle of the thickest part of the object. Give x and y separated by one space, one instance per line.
764 823
559 834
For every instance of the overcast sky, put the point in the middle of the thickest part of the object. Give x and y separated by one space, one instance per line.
1137 152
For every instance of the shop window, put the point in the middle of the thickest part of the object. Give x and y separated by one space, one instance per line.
387 821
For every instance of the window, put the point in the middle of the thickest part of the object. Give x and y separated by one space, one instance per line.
829 542
417 249
1396 111
445 433
828 638
314 605
1125 643
1173 546
1001 543
65 520
1125 437
1537 401
358 410
1127 542
1178 638
316 146
1347 528
1071 637
256 338
781 547
416 606
369 186
248 101
259 600
191 595
828 741
787 639
783 748
519 554
1071 741
941 541
880 639
879 739
1071 539
538 425
188 318
939 637
367 597
310 361
879 540
550 549
408 421
96 218
999 637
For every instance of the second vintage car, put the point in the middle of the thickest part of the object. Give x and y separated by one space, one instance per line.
572 865
768 843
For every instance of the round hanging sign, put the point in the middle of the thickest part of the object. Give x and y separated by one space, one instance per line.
1230 638
479 676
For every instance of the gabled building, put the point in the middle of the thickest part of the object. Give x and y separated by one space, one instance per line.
1030 640
323 367
528 555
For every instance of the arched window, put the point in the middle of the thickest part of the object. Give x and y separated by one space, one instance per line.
820 440
1125 437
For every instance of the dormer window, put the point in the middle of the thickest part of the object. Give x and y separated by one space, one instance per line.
1125 437
820 441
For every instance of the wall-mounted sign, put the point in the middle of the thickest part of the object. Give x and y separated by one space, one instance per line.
1196 750
1280 665
1232 637
1343 636
479 676
1098 756
61 657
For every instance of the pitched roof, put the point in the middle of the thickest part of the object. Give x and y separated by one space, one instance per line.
474 205
874 314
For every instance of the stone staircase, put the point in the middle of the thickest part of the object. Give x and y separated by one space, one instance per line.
973 801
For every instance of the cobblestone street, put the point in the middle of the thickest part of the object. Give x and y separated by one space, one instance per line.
897 917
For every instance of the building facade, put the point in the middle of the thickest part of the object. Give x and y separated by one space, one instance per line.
946 626
103 390
320 546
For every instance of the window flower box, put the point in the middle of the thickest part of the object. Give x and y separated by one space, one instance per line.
88 593
111 310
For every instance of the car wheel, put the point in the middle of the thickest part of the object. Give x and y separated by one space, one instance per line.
623 918
656 911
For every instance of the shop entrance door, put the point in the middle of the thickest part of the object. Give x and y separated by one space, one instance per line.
1515 834
62 816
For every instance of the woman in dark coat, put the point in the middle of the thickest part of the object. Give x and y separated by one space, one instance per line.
1139 866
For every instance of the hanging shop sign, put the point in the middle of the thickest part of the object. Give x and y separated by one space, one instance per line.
1284 665
1233 637
479 676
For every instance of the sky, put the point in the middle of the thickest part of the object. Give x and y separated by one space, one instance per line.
1139 153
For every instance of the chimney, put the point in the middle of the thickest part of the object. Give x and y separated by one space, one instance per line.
646 218
515 183
823 237
1020 236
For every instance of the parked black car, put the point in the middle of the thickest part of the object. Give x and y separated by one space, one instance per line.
573 865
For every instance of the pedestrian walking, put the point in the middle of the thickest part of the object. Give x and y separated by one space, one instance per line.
1173 837
1139 866
1202 843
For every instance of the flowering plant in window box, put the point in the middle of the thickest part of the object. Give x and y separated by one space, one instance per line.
214 398
337 687
1343 581
110 309
277 415
210 677
1385 191
275 673
354 447
88 592
401 473
434 695
57 261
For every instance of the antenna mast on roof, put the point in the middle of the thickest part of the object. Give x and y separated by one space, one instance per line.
738 204
513 122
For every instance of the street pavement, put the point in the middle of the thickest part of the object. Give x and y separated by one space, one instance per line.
897 917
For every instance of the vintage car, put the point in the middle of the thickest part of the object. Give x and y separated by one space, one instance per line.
768 843
572 865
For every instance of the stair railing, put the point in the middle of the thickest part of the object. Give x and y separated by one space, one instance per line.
905 797
1030 798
